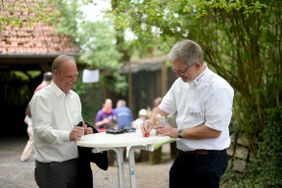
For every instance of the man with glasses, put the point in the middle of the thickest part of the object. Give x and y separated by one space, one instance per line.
203 102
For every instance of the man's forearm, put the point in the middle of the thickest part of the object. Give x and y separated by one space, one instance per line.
200 132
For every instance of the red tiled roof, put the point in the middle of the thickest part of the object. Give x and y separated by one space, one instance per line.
39 39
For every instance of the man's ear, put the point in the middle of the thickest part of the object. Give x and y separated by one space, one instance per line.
55 72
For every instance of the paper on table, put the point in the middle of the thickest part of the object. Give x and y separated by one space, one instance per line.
90 76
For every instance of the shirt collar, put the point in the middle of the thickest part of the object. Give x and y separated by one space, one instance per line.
197 81
57 90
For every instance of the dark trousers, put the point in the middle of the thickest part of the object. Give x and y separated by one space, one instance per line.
56 174
85 175
198 169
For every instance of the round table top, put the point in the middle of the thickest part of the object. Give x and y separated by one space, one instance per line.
104 140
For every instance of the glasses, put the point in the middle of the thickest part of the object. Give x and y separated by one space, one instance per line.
181 73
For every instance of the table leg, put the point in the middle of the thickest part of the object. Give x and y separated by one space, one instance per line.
119 154
131 161
132 172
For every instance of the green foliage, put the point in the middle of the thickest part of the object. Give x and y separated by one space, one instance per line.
99 52
266 169
97 43
242 41
150 21
27 13
98 49
268 164
67 18
90 96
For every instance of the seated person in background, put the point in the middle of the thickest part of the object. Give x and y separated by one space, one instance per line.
123 115
142 116
104 117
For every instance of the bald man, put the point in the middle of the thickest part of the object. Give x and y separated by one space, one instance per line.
56 110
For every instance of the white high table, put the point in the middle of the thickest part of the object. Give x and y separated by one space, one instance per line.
104 142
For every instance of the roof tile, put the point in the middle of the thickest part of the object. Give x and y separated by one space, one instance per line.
37 39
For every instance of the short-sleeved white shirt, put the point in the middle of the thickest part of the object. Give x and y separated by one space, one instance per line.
54 115
206 100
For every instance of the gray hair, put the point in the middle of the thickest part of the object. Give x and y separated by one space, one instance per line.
62 58
188 52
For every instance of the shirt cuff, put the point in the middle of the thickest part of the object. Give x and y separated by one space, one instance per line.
65 136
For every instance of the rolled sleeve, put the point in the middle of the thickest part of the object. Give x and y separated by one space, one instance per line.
168 104
219 109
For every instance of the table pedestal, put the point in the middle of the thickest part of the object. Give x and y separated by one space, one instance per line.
100 142
120 162
131 161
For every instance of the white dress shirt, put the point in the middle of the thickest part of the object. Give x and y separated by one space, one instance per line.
206 100
54 115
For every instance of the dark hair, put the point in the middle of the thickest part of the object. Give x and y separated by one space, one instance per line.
47 76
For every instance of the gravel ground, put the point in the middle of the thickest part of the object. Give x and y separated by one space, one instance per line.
16 174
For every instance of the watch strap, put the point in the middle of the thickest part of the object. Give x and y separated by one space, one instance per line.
180 133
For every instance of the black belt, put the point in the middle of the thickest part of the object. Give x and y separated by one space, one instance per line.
200 152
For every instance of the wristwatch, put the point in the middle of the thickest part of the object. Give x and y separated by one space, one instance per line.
180 133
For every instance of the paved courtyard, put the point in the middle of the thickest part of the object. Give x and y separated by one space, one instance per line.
16 174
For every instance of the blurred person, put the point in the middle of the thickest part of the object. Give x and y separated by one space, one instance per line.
203 101
123 115
142 117
57 124
47 78
105 120
137 123
156 102
105 116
